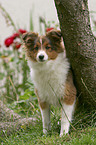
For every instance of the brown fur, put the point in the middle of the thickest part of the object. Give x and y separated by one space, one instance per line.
70 91
43 105
31 54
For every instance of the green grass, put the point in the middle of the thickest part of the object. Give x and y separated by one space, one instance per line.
27 106
85 133
34 136
84 123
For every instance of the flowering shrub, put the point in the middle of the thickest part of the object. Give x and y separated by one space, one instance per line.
12 39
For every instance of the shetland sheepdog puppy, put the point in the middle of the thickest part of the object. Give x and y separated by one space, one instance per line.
51 75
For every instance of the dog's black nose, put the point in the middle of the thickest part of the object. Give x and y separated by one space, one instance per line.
41 57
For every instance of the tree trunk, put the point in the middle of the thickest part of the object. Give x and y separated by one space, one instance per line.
80 47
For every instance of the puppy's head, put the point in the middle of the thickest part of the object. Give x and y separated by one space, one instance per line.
43 48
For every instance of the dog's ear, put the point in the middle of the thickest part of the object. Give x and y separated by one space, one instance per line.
29 38
54 35
24 36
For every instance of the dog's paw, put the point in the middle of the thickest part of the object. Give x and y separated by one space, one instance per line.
63 133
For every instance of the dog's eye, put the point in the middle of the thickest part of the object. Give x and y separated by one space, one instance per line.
29 41
36 48
47 47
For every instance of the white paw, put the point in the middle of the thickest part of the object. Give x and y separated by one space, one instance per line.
61 134
45 131
64 132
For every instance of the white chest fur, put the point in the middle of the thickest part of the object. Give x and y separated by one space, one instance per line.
49 78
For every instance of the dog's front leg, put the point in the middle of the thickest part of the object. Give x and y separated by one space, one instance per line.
67 111
68 104
45 112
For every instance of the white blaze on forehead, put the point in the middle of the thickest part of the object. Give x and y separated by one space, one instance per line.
41 41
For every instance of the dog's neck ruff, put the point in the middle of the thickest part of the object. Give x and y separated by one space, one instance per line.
49 78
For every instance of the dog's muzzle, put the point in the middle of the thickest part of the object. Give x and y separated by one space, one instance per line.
42 56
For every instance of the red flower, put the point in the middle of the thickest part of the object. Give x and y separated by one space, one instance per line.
15 35
22 31
49 29
17 45
8 41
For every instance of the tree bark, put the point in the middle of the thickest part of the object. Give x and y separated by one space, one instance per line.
80 47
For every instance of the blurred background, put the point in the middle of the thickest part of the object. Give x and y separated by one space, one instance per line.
20 11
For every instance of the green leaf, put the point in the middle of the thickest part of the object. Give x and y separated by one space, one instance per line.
0 54
24 97
2 75
31 22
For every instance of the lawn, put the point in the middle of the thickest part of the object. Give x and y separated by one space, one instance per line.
34 135
84 133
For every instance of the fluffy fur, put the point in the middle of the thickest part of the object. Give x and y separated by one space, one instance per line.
51 76
46 75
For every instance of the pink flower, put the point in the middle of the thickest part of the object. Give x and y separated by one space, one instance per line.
49 29
8 41
22 31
